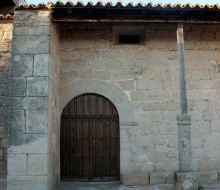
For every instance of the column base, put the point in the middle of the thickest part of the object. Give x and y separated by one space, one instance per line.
186 181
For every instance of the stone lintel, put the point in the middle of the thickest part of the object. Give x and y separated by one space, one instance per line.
186 181
183 119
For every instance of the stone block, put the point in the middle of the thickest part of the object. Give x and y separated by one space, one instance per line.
110 55
88 55
17 121
27 143
122 75
204 164
211 140
17 86
103 75
215 126
4 142
102 88
36 121
5 154
158 140
117 96
27 182
97 65
198 153
41 64
37 86
1 154
84 44
2 132
135 179
137 95
126 84
17 164
186 181
160 148
157 156
28 103
157 178
207 176
22 65
30 44
37 164
4 100
3 90
88 74
144 84
114 65
196 141
31 31
3 167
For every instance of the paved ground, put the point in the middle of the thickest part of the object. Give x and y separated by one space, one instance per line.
115 186
108 186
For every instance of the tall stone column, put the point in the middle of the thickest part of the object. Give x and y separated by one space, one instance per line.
28 151
185 178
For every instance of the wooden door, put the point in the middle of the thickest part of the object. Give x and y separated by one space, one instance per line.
90 139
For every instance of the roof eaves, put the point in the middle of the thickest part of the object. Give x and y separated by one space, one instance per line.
149 5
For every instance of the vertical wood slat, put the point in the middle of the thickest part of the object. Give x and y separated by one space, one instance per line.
93 132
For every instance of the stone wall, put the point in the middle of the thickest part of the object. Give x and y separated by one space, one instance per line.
29 150
148 74
53 109
5 55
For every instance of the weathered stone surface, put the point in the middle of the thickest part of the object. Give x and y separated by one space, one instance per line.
27 143
17 86
17 121
127 84
31 44
28 103
31 31
186 181
103 75
37 86
135 179
3 166
27 182
37 164
157 178
207 176
22 65
17 164
1 154
41 65
149 84
36 121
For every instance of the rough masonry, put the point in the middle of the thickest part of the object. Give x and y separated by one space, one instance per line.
5 55
52 63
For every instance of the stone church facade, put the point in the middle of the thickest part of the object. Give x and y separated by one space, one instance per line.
58 54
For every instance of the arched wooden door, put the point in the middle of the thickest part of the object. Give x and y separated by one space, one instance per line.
90 139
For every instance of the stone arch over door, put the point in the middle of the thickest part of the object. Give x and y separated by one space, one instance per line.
121 102
114 93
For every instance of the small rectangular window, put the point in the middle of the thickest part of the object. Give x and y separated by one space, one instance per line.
129 35
129 39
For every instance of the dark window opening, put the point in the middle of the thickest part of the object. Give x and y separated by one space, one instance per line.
129 39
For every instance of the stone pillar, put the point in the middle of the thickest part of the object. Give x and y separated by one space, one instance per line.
185 178
28 150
